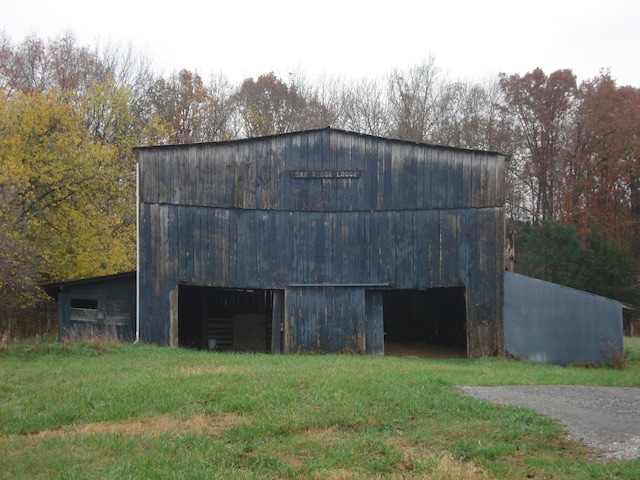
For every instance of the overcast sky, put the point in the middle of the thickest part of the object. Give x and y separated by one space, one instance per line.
469 39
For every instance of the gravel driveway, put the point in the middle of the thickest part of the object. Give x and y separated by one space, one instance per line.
604 418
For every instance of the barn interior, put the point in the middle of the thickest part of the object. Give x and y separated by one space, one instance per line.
425 323
225 319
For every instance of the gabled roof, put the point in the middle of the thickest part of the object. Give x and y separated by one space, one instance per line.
327 129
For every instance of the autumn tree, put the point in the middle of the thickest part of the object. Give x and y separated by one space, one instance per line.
181 102
193 111
540 109
601 168
269 106
38 66
67 211
67 169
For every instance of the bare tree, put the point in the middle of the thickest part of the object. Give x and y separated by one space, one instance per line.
364 108
413 98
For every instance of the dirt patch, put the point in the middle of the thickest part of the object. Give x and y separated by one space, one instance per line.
606 419
422 350
200 425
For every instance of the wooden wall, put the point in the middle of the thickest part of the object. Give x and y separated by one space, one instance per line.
327 216
107 307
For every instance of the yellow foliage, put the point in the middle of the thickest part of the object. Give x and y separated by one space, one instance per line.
65 197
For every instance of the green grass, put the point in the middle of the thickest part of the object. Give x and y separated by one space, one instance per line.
99 410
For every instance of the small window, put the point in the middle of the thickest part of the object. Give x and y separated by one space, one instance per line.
84 310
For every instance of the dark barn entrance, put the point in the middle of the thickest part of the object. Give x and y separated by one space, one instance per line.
227 319
425 323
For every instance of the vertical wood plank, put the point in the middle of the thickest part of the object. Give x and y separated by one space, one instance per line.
374 323
277 319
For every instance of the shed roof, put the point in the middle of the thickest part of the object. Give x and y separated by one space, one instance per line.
52 289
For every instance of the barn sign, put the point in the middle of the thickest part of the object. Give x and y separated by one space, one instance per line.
337 174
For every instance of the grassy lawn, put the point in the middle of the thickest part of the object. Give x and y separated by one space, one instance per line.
96 410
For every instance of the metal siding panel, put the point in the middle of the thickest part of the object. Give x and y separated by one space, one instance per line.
553 324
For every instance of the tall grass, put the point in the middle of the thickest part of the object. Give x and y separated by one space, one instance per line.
104 410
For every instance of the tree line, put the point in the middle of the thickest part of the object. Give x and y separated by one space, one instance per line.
71 114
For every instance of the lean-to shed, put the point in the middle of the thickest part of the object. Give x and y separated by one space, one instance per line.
102 306
321 241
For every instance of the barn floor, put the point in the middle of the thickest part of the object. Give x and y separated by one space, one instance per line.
422 350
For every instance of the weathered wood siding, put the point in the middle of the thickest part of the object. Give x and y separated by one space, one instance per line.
396 214
113 311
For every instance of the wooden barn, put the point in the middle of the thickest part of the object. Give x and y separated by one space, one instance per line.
321 241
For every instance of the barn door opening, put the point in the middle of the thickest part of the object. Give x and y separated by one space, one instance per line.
425 323
228 319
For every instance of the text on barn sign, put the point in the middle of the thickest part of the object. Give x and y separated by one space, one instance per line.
325 173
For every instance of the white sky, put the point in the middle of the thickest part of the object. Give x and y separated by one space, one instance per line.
469 39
